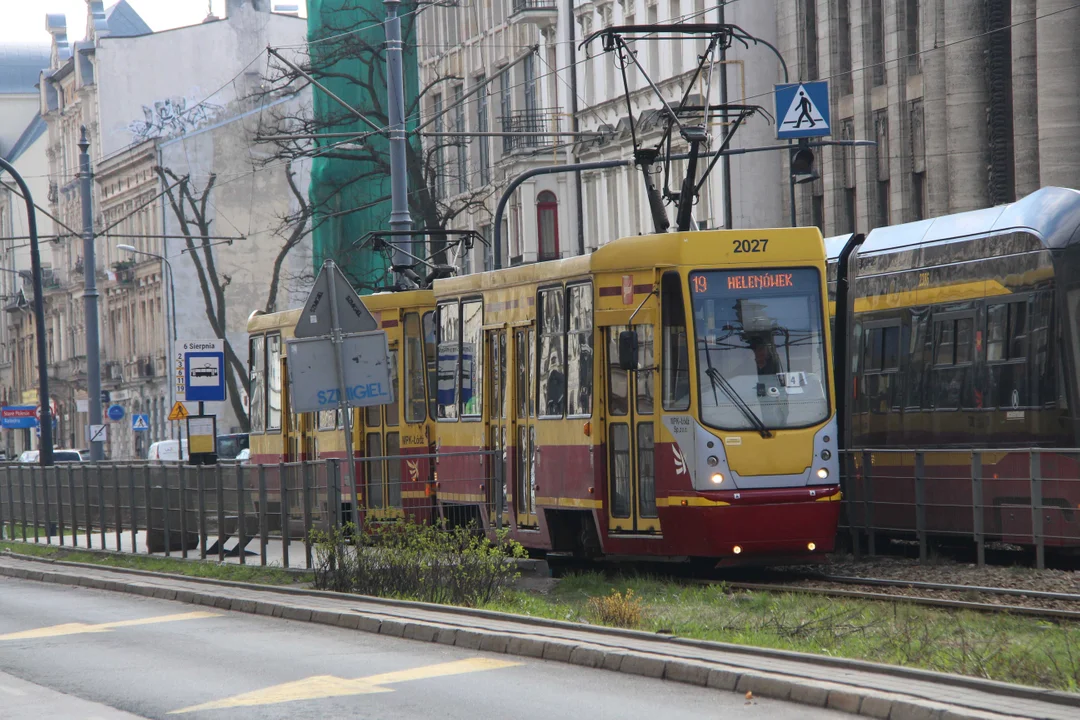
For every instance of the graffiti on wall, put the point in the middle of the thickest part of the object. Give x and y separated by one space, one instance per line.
172 117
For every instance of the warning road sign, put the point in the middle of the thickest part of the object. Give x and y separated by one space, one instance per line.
179 412
353 315
802 110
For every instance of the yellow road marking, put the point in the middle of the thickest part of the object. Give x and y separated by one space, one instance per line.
82 628
327 686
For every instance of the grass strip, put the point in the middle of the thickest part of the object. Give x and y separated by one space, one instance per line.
268 575
1017 649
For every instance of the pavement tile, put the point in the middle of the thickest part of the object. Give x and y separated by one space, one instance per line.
809 693
558 651
613 660
394 628
587 656
369 624
324 617
687 671
647 665
469 639
844 701
876 706
446 636
525 646
420 631
349 621
905 710
292 612
764 685
723 679
494 642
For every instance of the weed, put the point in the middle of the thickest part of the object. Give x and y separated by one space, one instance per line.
617 609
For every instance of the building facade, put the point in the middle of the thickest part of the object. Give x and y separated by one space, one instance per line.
972 103
121 84
543 83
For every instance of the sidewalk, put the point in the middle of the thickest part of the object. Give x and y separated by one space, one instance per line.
867 689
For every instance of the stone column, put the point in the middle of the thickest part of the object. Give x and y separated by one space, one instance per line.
1025 98
1058 58
966 99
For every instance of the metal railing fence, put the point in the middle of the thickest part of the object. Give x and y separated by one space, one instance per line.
221 510
1027 497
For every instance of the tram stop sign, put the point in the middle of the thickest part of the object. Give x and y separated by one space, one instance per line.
365 363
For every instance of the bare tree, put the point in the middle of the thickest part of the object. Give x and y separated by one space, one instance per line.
189 205
351 55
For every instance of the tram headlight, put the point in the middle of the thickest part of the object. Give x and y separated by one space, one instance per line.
736 549
712 461
717 478
825 454
822 473
811 547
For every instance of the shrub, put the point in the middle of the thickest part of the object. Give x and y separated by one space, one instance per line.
406 559
617 609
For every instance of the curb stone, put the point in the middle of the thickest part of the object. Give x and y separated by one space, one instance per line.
837 696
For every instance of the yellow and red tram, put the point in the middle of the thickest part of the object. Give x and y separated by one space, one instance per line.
666 396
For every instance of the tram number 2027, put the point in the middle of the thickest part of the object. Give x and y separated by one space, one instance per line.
749 246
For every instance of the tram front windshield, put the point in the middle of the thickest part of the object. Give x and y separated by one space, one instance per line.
760 348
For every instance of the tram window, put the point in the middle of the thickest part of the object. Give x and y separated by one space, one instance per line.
449 349
953 341
552 366
392 414
917 359
257 384
374 469
618 384
430 357
674 360
472 359
1006 355
327 419
644 380
964 333
579 351
1041 352
273 382
393 470
371 416
521 388
882 350
415 404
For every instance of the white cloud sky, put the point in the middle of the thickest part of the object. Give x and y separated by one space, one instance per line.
24 20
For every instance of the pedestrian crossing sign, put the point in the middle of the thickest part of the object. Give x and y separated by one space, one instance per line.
140 422
179 412
802 110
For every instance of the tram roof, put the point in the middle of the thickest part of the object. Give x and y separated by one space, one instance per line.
1052 214
637 252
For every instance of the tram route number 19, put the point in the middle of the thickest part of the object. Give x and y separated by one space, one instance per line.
749 246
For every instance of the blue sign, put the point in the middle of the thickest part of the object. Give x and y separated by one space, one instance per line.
19 417
115 413
802 110
140 422
204 374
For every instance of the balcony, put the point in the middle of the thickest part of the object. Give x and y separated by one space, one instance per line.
537 121
542 13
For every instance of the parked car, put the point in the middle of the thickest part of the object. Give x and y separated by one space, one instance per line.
244 457
59 456
168 451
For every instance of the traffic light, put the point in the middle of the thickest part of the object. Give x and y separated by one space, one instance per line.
802 163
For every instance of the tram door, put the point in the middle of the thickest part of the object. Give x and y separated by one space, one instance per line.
524 465
498 428
382 443
631 428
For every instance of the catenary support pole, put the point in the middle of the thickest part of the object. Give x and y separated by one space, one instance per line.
90 298
45 457
399 181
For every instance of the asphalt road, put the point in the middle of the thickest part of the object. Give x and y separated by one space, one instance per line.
68 652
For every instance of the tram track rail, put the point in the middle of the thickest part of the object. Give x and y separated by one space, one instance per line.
1034 603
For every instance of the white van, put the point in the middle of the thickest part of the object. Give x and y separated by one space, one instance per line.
168 451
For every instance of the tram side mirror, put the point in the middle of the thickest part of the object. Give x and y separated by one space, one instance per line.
628 350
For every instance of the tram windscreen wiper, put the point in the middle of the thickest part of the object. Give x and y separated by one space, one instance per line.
719 381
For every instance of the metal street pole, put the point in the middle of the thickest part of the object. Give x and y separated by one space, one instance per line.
343 405
45 456
90 297
395 84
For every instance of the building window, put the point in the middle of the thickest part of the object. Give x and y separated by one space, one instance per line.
918 195
489 259
843 48
810 39
506 107
440 141
877 41
911 25
547 224
459 141
482 147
